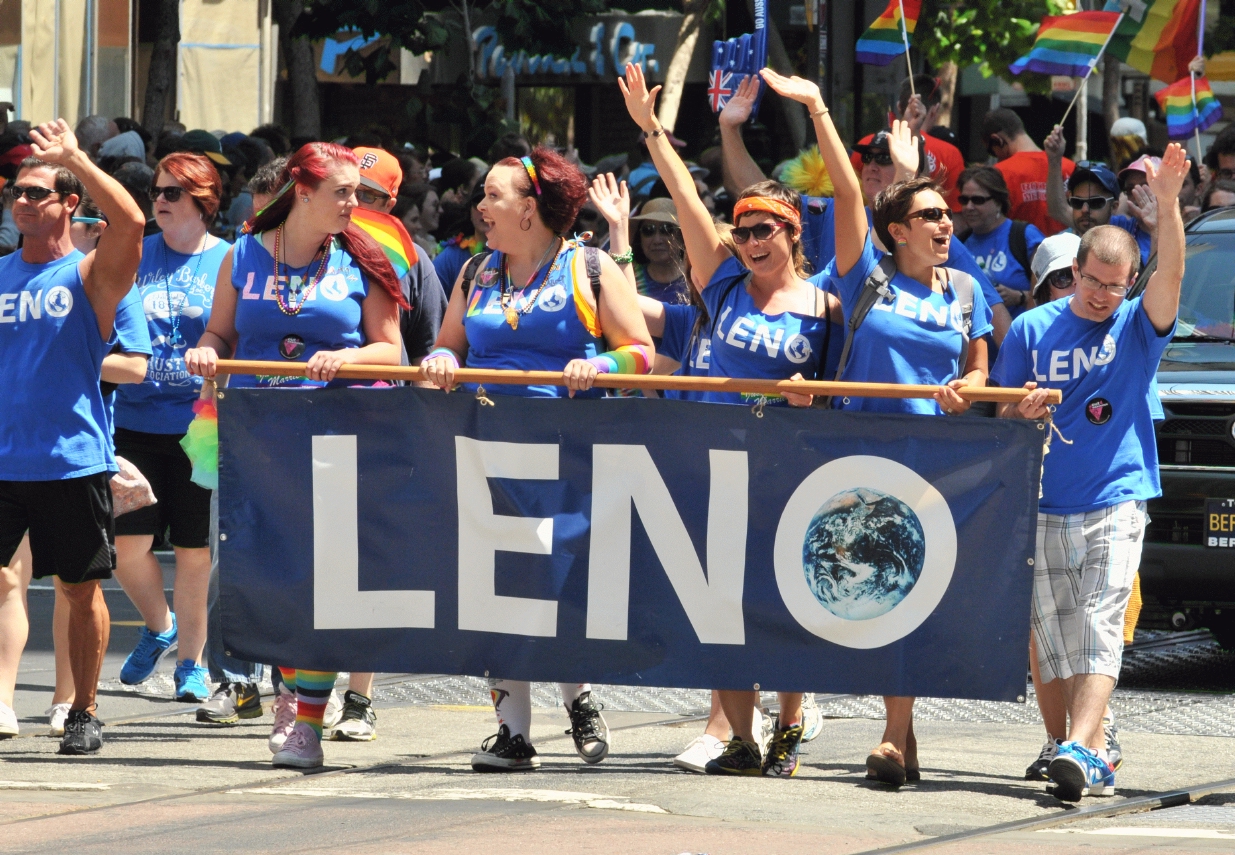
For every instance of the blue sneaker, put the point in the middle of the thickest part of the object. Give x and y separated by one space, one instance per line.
192 682
1078 771
150 650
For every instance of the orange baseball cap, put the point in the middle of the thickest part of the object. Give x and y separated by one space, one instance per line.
379 170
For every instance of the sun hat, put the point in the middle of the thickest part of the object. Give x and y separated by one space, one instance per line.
1054 253
658 211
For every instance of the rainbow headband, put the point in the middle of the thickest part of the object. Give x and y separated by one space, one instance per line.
775 207
531 172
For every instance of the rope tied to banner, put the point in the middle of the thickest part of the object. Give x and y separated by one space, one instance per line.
1052 430
482 398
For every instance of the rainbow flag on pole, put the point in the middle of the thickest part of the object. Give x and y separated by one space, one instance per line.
391 236
883 40
1185 116
1068 44
1158 37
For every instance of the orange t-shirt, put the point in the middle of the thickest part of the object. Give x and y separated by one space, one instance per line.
1025 173
944 163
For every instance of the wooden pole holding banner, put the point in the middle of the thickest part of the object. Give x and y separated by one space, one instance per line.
641 381
1092 65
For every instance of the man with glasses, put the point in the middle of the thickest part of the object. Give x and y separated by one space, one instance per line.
1024 169
1102 351
55 449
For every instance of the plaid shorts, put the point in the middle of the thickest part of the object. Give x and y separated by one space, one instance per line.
1082 580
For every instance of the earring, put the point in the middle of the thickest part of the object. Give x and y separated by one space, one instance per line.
902 243
304 198
525 225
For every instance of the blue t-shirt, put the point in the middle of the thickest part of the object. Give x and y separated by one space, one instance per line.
329 320
677 339
1143 238
448 263
1104 371
132 336
559 325
176 293
53 422
993 256
915 338
747 343
818 231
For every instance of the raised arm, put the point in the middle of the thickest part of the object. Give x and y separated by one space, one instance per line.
703 245
1161 299
851 226
1056 192
612 199
740 168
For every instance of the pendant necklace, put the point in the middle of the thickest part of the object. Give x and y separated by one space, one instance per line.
176 340
508 286
286 306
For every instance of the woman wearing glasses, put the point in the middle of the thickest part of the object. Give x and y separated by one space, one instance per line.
1002 247
176 281
924 345
659 257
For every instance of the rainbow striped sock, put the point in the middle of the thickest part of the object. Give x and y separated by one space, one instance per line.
289 678
312 693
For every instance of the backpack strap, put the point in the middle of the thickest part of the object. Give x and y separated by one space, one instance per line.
591 260
875 288
963 284
471 269
1018 246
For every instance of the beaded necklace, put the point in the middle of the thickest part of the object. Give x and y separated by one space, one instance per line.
285 306
176 340
507 298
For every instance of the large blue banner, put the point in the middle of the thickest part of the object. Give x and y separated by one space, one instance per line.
628 541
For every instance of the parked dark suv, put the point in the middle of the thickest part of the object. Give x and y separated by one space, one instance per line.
1188 565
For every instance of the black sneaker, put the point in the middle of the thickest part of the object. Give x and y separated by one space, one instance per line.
503 753
588 728
358 722
231 702
1037 770
739 758
782 759
83 734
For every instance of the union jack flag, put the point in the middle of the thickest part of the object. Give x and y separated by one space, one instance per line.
719 89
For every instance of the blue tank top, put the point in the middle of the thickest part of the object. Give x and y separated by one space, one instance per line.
748 343
176 293
556 323
329 320
53 422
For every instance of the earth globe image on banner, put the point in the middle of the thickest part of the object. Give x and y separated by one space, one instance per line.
863 552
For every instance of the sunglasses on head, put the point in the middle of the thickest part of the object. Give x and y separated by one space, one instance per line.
931 215
763 231
33 193
1095 203
171 193
881 158
649 229
977 200
371 197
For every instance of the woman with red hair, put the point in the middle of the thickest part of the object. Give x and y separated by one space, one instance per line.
306 285
176 282
539 301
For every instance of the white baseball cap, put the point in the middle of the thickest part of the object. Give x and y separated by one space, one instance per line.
1054 253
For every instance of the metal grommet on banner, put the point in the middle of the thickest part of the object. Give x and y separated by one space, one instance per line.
1030 562
756 687
845 401
220 396
483 398
757 409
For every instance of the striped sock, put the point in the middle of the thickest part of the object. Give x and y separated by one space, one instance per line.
312 693
289 678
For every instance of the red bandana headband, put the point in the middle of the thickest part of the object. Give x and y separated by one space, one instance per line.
775 207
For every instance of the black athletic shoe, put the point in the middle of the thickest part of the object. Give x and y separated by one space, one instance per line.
358 722
588 728
782 758
231 702
83 734
740 758
503 753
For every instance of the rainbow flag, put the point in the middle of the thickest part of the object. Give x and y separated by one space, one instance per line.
883 42
391 236
1067 44
1158 37
1183 117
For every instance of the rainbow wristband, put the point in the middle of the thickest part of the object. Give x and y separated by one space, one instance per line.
627 359
444 352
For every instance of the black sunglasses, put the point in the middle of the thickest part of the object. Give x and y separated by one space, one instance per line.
931 215
763 231
1060 279
1095 203
649 229
33 193
172 194
369 197
880 158
977 200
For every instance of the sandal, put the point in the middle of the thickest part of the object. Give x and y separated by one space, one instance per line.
885 765
913 776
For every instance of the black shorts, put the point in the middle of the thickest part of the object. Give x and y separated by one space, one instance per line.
182 506
72 534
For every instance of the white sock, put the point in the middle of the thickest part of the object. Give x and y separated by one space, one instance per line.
570 691
512 701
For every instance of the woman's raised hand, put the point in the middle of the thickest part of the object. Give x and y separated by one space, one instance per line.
640 103
611 198
796 88
903 147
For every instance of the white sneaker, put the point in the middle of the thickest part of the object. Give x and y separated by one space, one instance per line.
334 711
812 718
698 752
284 710
8 721
57 715
301 750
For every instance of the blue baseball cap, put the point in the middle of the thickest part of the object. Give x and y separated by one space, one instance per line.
1095 171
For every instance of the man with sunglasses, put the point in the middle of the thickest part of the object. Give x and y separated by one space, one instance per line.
1102 351
56 454
1024 169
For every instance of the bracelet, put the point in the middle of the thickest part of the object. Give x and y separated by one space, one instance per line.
628 359
445 353
820 113
654 133
626 257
